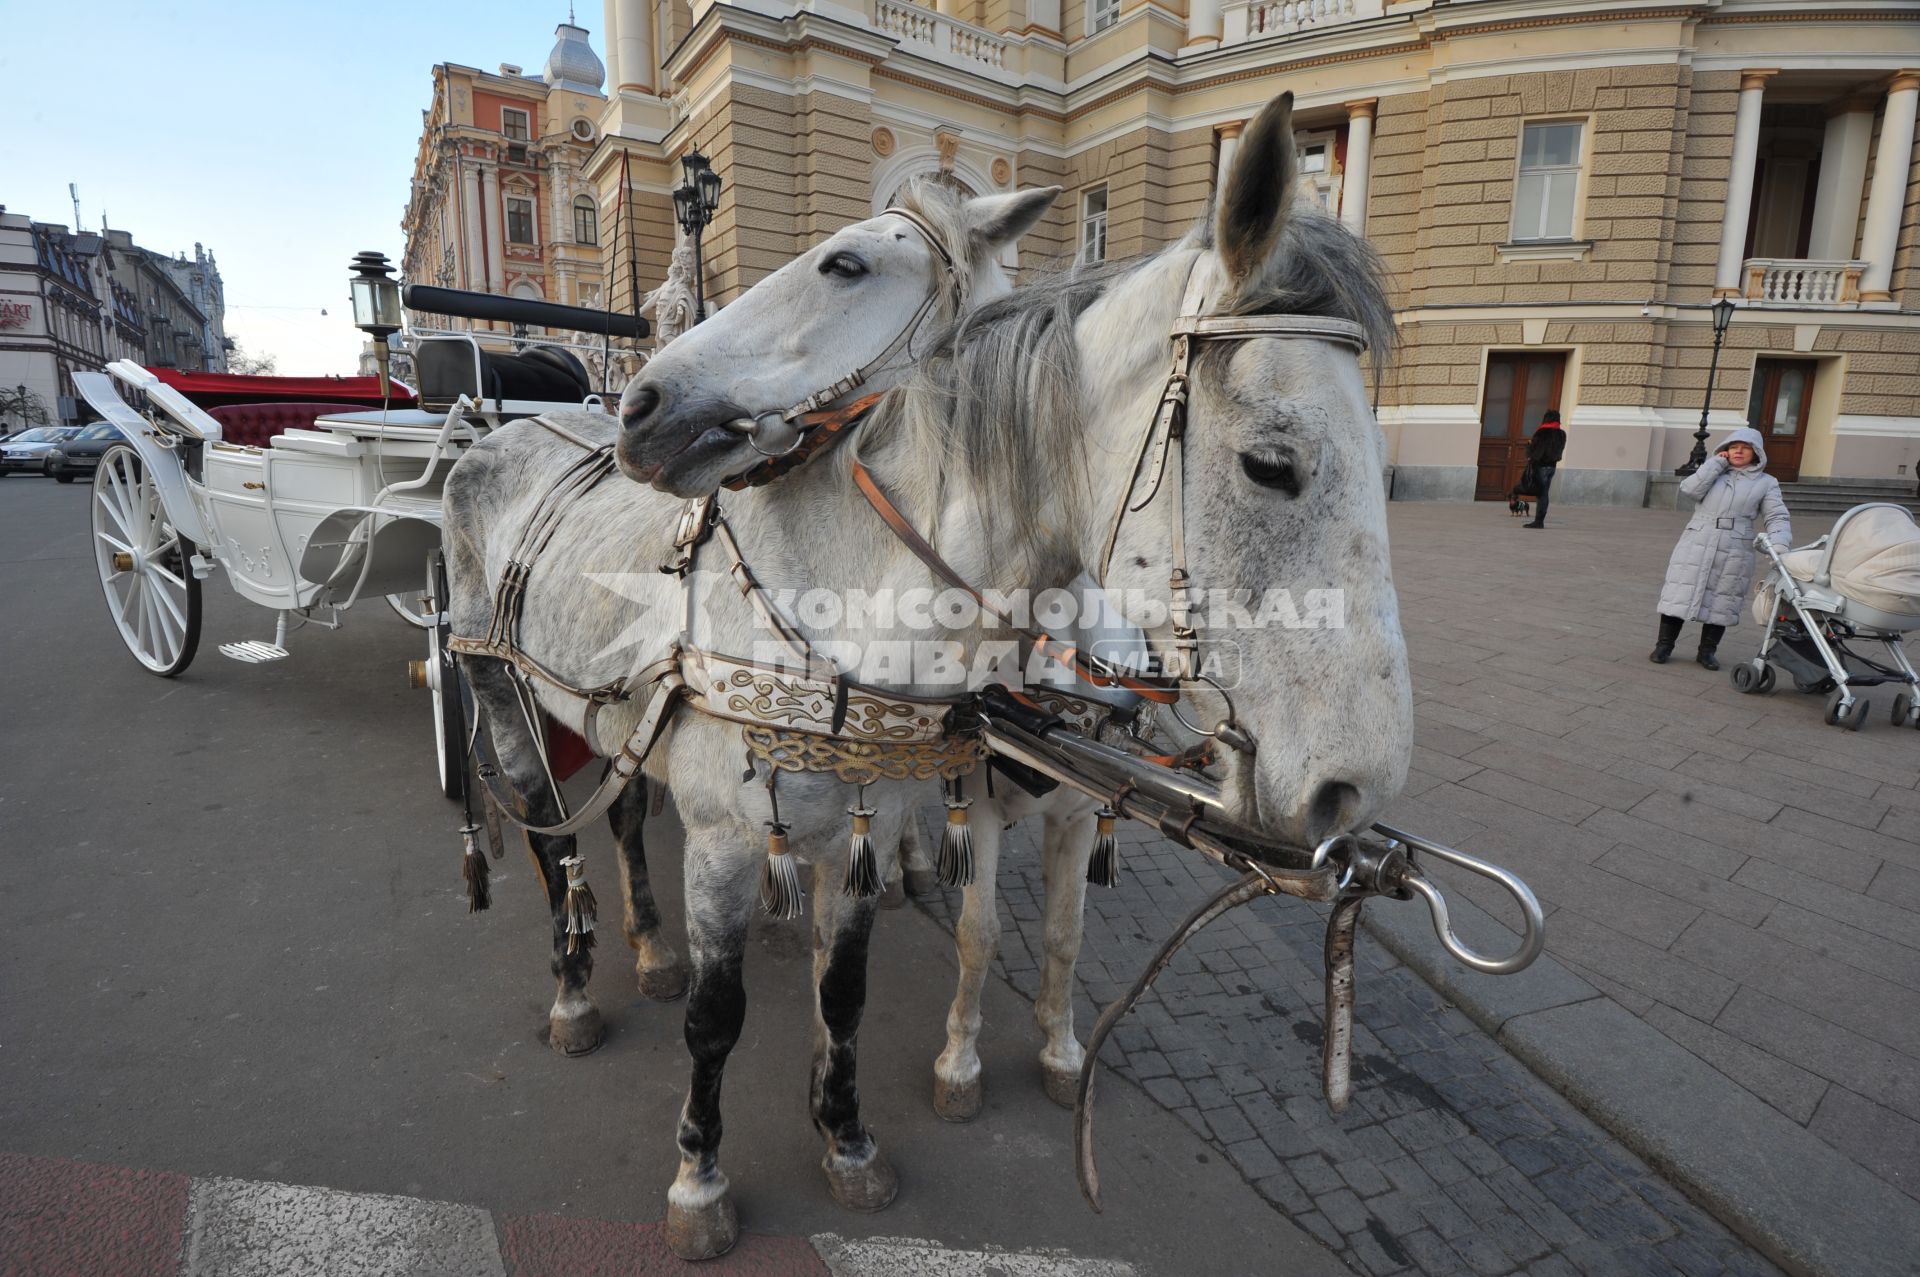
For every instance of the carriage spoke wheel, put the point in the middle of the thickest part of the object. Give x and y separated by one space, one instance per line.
145 566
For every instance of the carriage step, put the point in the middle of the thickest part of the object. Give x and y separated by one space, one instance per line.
253 652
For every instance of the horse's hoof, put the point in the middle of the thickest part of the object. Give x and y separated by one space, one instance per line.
580 1033
922 884
864 1188
1062 1087
893 897
956 1103
703 1232
663 984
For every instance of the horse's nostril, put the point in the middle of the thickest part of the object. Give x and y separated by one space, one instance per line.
1335 806
640 404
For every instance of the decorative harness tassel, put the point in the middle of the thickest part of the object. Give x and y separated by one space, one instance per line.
580 907
1103 869
955 861
863 869
780 894
473 868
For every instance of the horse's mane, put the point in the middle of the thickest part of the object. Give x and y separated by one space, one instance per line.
992 406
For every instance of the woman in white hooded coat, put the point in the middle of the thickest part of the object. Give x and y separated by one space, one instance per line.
1712 566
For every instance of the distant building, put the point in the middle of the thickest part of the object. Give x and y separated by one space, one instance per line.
52 286
498 203
199 280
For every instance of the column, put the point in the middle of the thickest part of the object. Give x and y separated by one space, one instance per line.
1229 135
1891 165
1843 176
1746 149
495 256
610 39
473 271
636 48
949 8
1203 24
1353 186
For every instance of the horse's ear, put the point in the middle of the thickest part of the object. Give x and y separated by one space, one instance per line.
995 221
1251 211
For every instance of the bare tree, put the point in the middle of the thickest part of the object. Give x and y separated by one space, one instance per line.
239 361
21 408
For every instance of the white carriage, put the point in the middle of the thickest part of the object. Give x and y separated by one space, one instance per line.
320 518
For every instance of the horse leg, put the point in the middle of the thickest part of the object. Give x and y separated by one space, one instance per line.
574 1026
956 1074
701 1221
858 1174
1067 848
916 866
661 974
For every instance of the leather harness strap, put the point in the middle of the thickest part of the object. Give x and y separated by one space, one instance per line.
1083 666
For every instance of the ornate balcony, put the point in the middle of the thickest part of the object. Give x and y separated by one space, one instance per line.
942 39
1803 285
1247 20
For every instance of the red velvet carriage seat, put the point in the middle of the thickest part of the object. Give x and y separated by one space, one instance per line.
253 424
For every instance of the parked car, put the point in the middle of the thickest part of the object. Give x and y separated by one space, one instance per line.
30 449
80 455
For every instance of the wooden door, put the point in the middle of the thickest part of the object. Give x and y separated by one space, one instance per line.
1521 386
1777 408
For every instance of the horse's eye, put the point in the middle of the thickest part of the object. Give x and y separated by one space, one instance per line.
1273 472
843 266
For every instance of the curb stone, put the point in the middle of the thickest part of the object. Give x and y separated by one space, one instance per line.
1804 1204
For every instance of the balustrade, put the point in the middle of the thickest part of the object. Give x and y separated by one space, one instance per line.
1785 282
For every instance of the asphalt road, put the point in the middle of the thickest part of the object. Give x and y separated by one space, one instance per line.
233 941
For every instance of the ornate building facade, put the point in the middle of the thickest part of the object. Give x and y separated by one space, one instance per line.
498 204
1559 188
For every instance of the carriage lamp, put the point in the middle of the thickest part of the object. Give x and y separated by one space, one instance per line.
1722 316
694 203
376 308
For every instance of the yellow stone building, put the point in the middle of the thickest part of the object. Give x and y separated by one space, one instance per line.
1560 188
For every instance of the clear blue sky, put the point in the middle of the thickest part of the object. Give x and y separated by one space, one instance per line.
281 135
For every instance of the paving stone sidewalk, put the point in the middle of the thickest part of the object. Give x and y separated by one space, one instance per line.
1728 869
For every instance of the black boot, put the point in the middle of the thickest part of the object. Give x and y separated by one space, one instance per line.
1709 643
1669 631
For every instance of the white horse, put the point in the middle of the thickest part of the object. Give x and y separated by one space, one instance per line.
998 449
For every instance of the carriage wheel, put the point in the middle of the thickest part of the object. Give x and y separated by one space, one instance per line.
1832 713
145 566
1902 709
1765 682
449 718
1743 678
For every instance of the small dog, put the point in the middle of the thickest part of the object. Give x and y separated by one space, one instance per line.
1518 507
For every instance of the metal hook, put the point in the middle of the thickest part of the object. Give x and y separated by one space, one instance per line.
1531 943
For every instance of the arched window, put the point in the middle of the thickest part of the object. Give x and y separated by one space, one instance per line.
586 220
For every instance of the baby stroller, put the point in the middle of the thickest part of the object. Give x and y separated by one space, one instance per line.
1858 584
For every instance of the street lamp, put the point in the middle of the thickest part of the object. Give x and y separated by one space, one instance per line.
694 203
376 307
1722 316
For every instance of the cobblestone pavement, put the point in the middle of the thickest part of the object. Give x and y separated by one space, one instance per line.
1452 1158
1739 875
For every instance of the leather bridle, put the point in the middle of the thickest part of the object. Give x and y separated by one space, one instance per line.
1164 436
778 434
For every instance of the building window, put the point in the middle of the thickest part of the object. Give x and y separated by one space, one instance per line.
514 124
586 220
1093 225
1101 14
1544 196
519 221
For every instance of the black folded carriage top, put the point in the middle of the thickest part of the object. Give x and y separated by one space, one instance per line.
447 369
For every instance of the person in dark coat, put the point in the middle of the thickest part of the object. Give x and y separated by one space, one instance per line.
1712 566
1544 450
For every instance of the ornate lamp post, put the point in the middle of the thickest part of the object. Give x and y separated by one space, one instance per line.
376 307
694 203
1722 316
